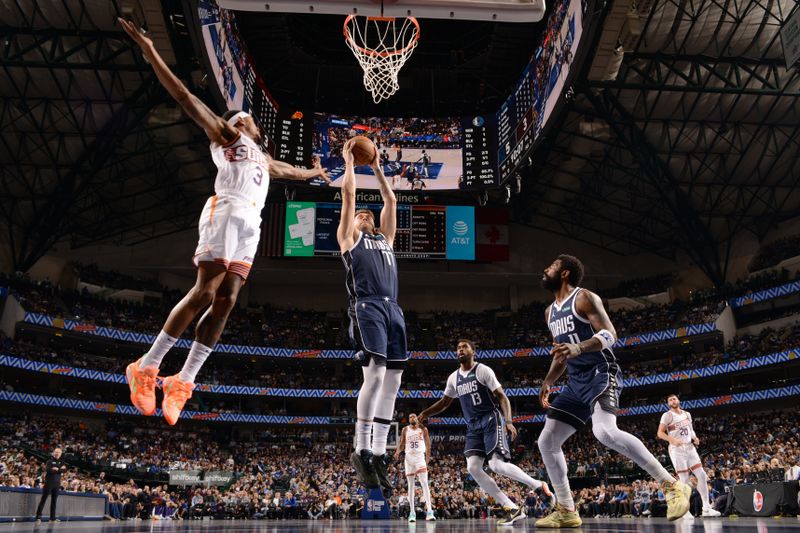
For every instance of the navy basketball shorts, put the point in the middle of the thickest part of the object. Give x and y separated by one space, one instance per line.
378 331
486 436
575 404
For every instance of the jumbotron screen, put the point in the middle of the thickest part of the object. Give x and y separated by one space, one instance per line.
423 231
415 153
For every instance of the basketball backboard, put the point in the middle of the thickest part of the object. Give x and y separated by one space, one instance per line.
488 10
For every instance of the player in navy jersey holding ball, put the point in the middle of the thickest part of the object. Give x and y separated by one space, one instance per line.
488 413
377 325
584 337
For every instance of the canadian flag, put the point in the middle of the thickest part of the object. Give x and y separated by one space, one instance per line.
491 234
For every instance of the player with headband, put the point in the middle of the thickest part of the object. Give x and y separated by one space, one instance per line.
229 230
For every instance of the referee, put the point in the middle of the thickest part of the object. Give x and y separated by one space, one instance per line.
52 483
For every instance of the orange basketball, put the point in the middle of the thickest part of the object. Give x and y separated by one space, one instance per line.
364 150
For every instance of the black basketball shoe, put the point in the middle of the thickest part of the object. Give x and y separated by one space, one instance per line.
362 462
380 464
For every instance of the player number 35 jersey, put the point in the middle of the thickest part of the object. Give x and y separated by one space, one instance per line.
415 442
242 172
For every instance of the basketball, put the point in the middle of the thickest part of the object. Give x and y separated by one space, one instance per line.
364 150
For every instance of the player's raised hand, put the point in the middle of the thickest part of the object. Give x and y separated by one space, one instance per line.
563 350
511 429
376 161
347 153
134 33
544 396
315 163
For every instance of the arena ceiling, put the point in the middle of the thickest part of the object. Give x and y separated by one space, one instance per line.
691 140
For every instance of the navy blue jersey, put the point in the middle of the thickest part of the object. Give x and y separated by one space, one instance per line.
474 394
371 268
568 326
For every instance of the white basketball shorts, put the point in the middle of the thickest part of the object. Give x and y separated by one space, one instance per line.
415 464
684 457
229 234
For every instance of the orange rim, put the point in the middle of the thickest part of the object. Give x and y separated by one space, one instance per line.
368 51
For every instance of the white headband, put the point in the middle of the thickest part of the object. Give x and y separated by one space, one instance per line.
237 117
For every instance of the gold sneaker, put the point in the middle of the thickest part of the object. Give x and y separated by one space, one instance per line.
560 517
677 495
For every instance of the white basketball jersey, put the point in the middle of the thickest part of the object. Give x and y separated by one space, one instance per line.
678 425
242 171
415 442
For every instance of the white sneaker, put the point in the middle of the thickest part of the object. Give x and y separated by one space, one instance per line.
646 512
430 517
708 511
412 517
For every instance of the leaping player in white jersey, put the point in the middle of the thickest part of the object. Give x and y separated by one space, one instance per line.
229 234
676 428
416 442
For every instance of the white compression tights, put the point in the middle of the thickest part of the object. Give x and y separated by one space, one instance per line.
384 410
512 471
702 484
551 439
366 404
486 483
604 427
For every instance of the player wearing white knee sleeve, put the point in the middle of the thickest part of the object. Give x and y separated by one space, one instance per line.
583 344
676 428
488 413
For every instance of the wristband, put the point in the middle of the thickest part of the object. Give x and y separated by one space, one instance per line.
606 338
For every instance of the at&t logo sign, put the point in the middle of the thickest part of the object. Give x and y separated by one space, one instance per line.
460 228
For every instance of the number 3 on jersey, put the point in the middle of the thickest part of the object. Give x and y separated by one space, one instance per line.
476 398
259 178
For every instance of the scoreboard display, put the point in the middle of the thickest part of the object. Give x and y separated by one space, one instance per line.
294 139
423 231
479 153
525 112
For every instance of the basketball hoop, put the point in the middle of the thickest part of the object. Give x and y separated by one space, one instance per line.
382 46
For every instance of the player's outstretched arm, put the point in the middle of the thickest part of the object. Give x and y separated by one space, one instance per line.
344 234
284 171
216 128
441 405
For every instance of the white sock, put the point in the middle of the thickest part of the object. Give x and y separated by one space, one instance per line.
411 491
158 350
363 435
198 354
510 470
604 427
426 491
551 439
486 483
380 433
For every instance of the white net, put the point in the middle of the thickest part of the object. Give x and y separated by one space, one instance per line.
382 46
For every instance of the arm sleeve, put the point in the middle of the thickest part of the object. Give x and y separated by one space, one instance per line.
486 377
450 389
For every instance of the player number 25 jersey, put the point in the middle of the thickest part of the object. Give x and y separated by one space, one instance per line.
242 171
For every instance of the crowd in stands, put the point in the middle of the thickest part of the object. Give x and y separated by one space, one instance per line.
113 279
775 252
287 472
224 370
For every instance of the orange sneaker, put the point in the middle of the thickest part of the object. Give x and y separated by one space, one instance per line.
142 382
176 392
